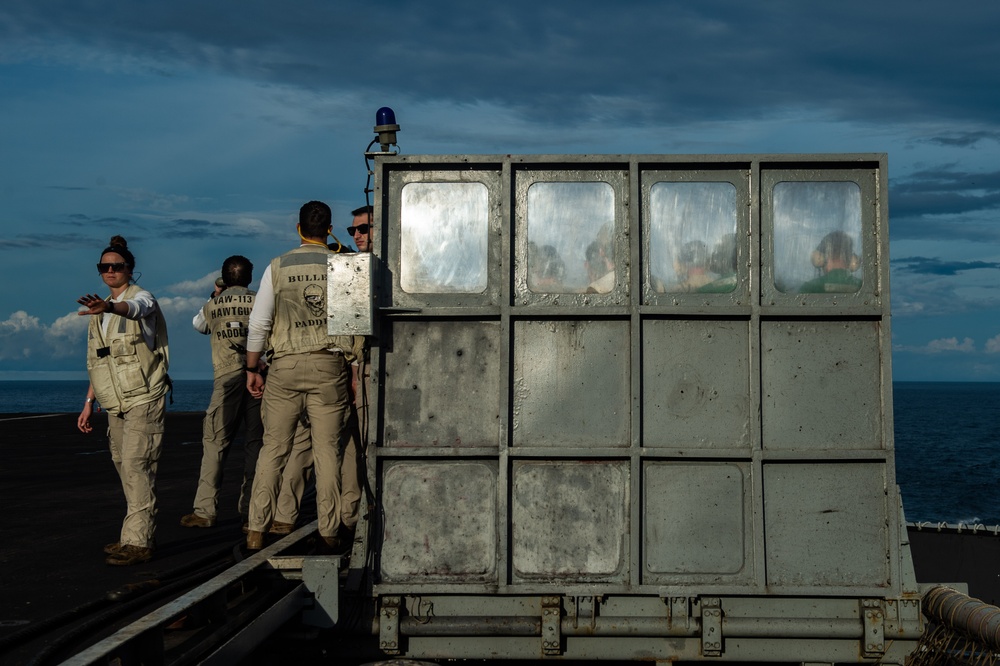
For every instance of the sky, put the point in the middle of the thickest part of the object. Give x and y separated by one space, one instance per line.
196 130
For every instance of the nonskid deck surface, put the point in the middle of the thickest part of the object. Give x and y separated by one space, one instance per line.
63 502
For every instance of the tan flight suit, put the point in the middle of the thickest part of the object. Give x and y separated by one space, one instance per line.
130 381
226 316
309 373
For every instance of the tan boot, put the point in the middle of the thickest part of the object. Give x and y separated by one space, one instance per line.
129 555
255 540
194 520
278 527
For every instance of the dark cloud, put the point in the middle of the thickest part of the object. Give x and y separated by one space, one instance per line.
946 203
193 229
964 139
567 63
46 242
934 266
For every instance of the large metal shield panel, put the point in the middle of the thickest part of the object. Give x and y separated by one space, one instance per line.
695 383
571 383
695 520
569 520
820 387
440 521
442 384
349 294
825 524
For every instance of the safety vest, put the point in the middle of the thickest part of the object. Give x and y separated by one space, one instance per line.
124 371
300 315
227 315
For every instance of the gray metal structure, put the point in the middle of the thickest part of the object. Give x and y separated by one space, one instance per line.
621 414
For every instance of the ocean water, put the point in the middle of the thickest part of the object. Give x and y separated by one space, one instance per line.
46 397
947 437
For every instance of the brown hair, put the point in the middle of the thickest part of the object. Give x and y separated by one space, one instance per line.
119 245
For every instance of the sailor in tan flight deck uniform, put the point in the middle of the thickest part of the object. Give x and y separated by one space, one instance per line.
352 467
309 372
299 468
224 318
127 358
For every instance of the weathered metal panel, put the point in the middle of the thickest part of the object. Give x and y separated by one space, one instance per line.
571 383
695 521
687 401
440 521
569 520
825 524
442 384
821 385
349 294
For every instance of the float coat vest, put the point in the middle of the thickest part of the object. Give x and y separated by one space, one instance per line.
300 314
227 315
124 371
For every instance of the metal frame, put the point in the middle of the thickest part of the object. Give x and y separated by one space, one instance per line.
510 604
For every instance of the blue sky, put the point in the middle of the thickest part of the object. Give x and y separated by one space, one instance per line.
196 129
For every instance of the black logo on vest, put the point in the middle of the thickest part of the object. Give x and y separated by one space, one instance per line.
315 299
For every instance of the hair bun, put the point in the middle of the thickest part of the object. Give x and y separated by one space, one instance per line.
118 241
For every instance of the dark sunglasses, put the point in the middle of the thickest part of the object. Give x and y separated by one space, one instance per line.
363 228
117 267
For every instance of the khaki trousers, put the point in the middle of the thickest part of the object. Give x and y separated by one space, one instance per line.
135 438
316 383
351 472
296 476
231 404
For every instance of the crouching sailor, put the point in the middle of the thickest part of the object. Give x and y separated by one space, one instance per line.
127 357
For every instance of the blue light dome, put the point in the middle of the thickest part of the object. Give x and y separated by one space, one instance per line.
385 116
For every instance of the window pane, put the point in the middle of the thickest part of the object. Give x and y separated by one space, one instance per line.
817 237
692 237
445 233
571 238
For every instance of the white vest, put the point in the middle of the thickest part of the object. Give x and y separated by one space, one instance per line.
227 315
300 312
123 371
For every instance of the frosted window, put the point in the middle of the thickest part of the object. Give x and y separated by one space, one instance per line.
692 237
571 237
817 237
445 234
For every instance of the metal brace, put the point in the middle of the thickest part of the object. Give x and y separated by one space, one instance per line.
873 618
388 625
551 625
584 611
679 612
711 627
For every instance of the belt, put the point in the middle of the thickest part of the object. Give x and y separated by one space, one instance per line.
328 351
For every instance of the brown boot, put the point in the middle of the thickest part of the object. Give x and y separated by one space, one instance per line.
113 548
194 520
129 555
255 540
278 527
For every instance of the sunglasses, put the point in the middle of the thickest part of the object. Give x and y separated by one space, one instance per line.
117 267
363 228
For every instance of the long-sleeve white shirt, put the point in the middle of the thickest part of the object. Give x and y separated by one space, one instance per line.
142 307
262 315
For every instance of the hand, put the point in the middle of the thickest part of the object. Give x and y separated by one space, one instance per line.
83 421
255 384
95 305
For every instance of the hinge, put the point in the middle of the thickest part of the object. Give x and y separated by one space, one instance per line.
711 627
551 625
873 618
388 625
